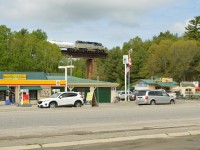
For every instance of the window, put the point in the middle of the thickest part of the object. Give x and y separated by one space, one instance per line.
71 94
2 95
141 93
188 91
159 93
152 93
165 94
64 95
33 94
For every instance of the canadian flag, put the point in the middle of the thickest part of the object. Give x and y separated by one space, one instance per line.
128 68
129 62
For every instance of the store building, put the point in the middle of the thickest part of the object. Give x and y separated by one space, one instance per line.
37 85
161 83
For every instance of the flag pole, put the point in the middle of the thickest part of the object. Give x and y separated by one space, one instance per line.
129 73
125 62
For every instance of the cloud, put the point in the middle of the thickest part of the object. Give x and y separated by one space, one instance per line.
70 12
179 27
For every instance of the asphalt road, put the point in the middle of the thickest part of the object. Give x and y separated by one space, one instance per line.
29 126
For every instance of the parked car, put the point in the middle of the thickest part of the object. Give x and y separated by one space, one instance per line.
121 95
154 97
134 94
62 99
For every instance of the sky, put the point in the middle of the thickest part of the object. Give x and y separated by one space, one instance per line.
110 22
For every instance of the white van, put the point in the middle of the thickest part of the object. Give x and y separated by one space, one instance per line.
153 97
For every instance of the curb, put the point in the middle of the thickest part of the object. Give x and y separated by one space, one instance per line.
95 141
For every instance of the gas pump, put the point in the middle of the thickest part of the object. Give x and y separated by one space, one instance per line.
24 96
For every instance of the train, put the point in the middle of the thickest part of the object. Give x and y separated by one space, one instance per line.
80 46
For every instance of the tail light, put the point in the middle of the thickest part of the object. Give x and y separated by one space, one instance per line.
146 97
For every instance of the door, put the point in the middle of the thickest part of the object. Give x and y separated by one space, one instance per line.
68 98
165 97
158 97
62 99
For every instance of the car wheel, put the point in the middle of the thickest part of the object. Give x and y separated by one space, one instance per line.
153 102
52 105
78 104
172 102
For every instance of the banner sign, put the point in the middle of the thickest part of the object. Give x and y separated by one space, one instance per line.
14 76
89 96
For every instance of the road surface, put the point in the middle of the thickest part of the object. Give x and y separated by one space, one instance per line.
34 126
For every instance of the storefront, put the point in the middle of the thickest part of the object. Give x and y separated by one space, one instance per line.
18 87
148 84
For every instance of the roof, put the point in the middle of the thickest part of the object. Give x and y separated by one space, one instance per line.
72 81
149 81
187 85
162 84
80 81
170 84
29 75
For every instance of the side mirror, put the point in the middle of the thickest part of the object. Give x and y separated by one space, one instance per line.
60 96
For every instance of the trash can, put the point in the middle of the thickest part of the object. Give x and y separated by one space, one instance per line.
8 102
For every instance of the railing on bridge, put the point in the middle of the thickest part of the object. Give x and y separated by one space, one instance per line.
84 54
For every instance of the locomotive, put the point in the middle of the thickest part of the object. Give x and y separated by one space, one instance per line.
80 46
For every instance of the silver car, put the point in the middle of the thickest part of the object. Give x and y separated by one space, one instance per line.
154 97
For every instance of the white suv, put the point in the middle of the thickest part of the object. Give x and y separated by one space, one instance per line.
121 95
62 99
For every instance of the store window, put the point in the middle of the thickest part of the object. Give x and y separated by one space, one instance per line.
2 95
33 94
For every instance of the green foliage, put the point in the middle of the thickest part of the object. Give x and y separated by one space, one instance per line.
176 59
111 69
193 29
24 51
165 36
183 59
40 34
157 60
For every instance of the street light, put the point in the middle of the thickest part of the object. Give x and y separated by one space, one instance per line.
65 67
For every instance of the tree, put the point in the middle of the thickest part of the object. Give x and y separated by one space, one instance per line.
193 29
157 61
184 56
5 35
27 52
165 36
138 56
112 69
40 34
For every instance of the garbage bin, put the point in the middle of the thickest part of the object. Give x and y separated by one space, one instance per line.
8 102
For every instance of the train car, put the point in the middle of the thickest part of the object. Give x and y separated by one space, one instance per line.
64 46
80 46
89 46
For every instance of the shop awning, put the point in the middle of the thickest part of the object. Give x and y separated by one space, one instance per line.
3 88
31 87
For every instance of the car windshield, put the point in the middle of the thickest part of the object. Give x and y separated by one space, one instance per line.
141 93
55 95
